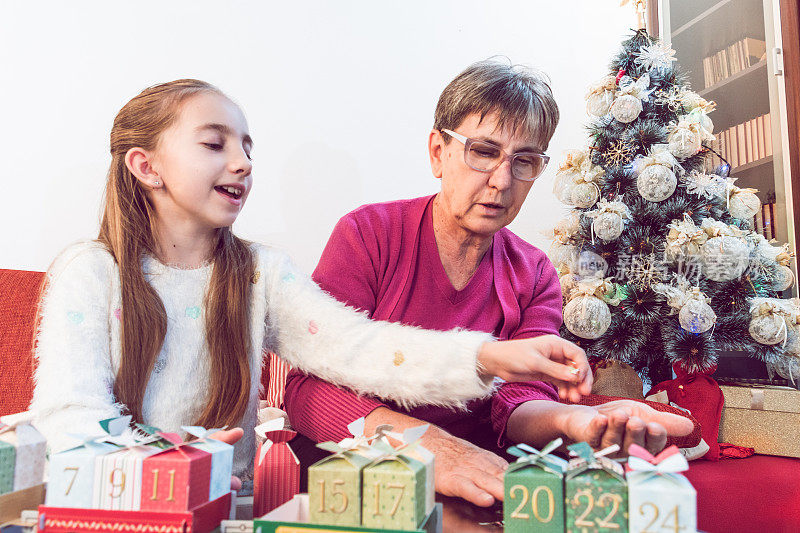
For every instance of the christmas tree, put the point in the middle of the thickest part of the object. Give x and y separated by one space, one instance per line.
658 260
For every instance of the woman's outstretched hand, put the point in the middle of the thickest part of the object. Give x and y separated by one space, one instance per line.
546 358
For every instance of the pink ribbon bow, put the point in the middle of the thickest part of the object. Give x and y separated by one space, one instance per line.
669 461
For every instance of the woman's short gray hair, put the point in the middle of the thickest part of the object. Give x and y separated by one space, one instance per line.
521 97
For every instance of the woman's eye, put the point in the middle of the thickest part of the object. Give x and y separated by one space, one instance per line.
213 146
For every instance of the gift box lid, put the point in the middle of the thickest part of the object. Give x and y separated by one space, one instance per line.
762 398
587 459
529 456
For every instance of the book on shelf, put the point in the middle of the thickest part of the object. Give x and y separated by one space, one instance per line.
746 142
767 135
732 59
767 216
741 144
758 223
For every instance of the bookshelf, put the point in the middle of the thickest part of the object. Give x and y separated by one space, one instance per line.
747 82
758 84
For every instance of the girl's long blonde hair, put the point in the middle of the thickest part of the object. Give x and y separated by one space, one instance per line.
128 233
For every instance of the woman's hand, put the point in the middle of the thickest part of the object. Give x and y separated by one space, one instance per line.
547 358
230 436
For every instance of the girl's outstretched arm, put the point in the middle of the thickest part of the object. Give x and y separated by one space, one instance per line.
319 335
74 377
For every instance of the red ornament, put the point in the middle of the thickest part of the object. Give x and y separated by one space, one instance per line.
621 73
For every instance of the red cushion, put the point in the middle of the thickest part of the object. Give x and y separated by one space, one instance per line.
19 294
760 493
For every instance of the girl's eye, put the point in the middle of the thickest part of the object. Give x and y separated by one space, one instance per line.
213 146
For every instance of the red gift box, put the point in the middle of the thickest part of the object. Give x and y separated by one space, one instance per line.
276 477
175 479
201 519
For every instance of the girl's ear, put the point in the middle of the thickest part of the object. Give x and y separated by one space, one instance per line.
138 161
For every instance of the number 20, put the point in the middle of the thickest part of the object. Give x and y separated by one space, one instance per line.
551 502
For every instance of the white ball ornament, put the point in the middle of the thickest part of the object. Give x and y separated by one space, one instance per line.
768 328
744 204
691 99
792 346
568 283
656 183
626 108
563 255
609 226
706 123
696 316
787 367
599 104
725 258
684 142
784 278
587 317
591 265
582 195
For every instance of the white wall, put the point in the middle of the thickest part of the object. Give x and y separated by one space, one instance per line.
339 96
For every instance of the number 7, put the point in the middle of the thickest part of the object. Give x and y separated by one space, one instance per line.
71 481
399 498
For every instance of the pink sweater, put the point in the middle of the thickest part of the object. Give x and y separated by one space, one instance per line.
383 258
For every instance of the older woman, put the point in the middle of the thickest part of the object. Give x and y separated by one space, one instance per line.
448 261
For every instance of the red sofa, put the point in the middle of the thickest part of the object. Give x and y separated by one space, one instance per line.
760 493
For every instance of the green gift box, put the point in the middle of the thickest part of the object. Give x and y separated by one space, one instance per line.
394 490
411 448
596 492
334 483
534 490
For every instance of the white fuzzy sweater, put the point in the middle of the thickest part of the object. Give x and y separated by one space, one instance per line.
78 347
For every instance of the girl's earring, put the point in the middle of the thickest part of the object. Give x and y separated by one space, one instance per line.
156 183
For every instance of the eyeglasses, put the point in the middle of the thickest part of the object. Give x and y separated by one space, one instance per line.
485 157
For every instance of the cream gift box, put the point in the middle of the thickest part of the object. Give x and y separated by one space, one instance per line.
71 471
118 478
659 497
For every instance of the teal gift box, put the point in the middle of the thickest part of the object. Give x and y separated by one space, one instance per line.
596 493
660 498
394 489
221 459
22 453
534 490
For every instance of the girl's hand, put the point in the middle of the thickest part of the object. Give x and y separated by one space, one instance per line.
231 436
547 358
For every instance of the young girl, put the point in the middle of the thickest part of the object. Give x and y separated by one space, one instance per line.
165 315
